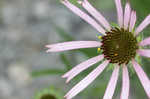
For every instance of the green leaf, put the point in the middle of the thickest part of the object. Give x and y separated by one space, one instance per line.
110 67
89 52
47 72
114 24
63 34
102 4
65 61
141 6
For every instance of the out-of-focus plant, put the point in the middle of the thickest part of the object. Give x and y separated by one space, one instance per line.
49 93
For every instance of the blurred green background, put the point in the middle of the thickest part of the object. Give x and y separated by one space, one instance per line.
26 70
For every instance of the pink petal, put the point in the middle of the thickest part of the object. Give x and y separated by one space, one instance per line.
143 25
119 12
97 15
145 42
142 76
144 52
72 45
112 84
127 15
79 68
125 83
132 21
84 16
86 81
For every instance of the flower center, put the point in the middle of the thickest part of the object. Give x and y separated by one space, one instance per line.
119 46
47 96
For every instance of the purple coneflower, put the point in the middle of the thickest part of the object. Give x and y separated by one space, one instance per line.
119 46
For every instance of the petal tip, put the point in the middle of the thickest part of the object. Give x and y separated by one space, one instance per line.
64 76
68 80
47 46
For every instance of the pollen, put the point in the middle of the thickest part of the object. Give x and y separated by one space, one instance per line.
115 54
119 46
98 49
99 37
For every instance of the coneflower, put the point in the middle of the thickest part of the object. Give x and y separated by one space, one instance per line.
119 46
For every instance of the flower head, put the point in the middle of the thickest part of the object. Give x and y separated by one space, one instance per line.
49 93
119 46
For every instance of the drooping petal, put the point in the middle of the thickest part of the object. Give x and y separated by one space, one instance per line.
145 42
142 76
112 84
72 45
143 25
86 81
79 68
97 15
127 14
84 16
125 83
132 21
119 12
144 52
